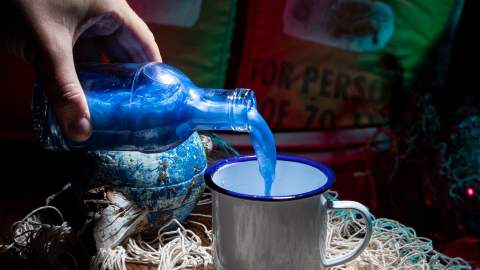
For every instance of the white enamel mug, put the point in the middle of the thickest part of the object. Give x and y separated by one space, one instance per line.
284 231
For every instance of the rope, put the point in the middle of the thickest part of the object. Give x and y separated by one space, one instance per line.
34 238
393 246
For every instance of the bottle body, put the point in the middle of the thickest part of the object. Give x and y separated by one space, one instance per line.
148 107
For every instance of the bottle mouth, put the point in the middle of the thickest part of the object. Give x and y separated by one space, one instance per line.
247 97
242 100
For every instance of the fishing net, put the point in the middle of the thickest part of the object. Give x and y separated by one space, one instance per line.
188 244
43 237
393 245
440 141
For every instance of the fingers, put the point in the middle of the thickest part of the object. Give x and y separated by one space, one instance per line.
135 28
127 37
135 37
64 90
118 31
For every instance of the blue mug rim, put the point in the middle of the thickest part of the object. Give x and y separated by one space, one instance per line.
212 169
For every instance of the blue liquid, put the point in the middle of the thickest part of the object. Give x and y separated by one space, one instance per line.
109 111
160 125
264 145
144 113
153 107
144 121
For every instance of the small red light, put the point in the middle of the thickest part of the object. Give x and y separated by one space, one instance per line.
470 192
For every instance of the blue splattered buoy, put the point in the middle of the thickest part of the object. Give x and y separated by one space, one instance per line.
167 184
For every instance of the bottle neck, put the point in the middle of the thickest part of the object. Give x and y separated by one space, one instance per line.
221 109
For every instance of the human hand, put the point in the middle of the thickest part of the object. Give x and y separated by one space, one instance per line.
45 32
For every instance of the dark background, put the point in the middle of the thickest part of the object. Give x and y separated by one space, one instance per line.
30 174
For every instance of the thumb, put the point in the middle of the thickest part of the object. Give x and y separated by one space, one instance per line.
64 91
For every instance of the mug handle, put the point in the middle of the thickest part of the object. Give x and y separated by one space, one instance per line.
351 205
